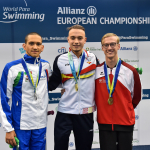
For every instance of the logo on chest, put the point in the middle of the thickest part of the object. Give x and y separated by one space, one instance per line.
66 64
26 77
102 81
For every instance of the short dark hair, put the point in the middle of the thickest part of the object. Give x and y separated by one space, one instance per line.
31 33
77 26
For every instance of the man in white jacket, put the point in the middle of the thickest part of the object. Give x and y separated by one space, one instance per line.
76 70
24 96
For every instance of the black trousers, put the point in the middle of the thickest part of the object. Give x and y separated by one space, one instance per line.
82 126
115 140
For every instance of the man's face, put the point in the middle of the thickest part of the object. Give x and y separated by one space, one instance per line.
34 46
76 40
110 47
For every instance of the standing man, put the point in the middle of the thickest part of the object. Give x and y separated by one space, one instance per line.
76 70
117 93
24 97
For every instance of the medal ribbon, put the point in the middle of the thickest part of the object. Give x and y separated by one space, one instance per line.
111 87
30 75
73 67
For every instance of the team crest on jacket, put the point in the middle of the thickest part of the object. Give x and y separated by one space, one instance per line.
26 77
102 81
88 59
88 62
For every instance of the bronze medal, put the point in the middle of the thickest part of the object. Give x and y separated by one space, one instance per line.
76 87
110 100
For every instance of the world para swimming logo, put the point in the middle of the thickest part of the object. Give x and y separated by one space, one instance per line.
14 14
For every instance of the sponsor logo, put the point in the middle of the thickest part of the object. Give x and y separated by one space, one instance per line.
87 49
66 64
62 50
146 94
96 131
91 11
135 48
102 81
135 141
93 49
102 73
14 14
22 50
95 142
71 144
54 97
136 117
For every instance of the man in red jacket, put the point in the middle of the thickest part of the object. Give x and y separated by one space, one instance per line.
117 93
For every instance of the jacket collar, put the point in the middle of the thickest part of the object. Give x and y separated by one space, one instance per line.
31 60
86 53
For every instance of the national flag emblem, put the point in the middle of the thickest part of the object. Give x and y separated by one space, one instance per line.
88 62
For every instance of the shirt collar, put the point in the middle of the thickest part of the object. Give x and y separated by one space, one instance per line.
31 60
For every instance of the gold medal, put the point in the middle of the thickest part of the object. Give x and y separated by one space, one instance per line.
76 86
110 100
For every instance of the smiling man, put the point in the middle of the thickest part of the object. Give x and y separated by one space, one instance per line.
117 93
24 97
76 71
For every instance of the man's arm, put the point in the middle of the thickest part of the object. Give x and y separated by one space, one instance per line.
55 78
137 89
6 115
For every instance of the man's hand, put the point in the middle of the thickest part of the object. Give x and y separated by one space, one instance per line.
10 138
62 91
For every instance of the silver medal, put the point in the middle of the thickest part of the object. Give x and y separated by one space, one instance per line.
35 96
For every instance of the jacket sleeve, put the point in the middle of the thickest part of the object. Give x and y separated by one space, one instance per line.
55 78
97 61
137 89
49 70
5 101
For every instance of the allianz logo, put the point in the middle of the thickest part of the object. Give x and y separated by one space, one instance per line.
55 99
135 48
91 11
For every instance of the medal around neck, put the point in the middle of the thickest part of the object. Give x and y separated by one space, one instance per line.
76 87
110 100
35 96
30 77
72 67
111 87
